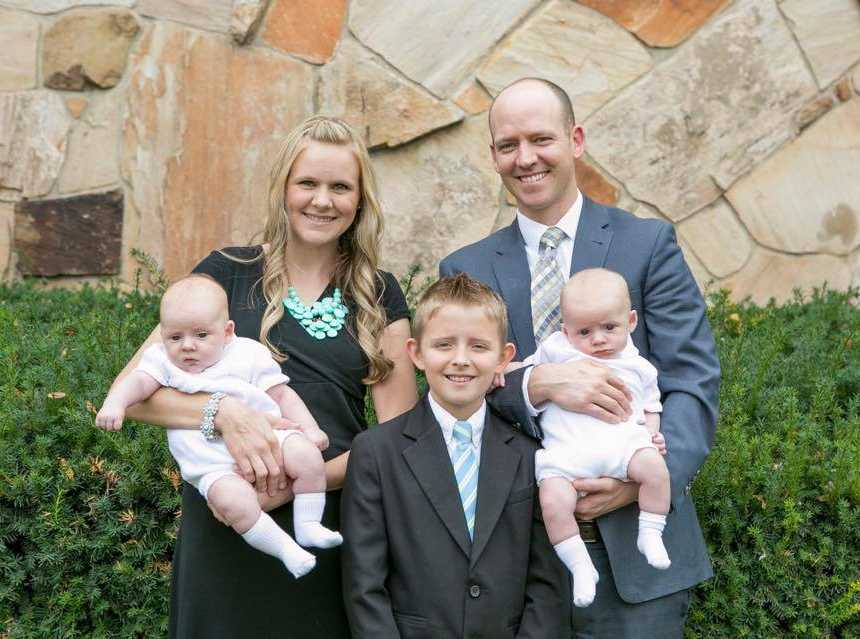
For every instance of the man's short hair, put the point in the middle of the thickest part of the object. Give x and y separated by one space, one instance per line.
559 93
460 290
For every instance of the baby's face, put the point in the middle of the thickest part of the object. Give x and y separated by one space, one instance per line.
194 336
598 329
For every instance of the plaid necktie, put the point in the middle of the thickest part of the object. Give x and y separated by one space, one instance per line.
466 472
547 281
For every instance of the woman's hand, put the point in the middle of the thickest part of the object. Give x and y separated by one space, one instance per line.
250 438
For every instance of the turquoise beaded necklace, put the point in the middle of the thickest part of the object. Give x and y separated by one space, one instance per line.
324 318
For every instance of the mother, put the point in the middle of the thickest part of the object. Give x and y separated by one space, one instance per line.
322 235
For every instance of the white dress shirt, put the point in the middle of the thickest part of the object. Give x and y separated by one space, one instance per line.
532 232
446 422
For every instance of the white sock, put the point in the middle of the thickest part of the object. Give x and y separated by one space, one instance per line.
307 513
574 555
267 536
650 541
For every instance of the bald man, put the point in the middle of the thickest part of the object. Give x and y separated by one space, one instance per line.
558 232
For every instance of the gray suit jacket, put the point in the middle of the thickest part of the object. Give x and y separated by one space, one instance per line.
409 568
673 333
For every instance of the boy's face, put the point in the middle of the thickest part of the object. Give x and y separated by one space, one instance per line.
194 339
460 352
598 329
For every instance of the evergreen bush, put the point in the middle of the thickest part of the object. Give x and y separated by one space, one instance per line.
88 518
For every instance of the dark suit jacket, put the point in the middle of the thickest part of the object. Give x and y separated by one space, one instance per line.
673 333
409 569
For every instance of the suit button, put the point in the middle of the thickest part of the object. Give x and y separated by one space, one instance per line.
474 591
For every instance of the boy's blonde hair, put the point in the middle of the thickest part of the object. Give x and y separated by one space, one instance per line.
461 290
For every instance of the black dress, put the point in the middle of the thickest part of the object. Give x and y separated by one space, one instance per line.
223 588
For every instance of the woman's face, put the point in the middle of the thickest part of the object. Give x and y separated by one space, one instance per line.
322 193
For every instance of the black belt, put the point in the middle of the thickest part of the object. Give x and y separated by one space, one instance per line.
589 531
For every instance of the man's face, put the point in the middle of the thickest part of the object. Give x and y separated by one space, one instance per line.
459 352
533 148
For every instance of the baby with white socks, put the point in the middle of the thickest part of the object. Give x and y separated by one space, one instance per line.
200 352
596 324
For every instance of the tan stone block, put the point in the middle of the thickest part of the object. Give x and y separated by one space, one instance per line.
203 121
389 110
705 116
438 195
581 50
775 275
717 237
843 90
33 130
76 105
212 15
473 99
806 197
659 23
92 156
813 110
19 39
592 183
7 221
829 34
309 29
245 18
87 47
55 6
439 43
857 79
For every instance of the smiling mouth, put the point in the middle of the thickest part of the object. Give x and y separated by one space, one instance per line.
533 178
319 219
459 379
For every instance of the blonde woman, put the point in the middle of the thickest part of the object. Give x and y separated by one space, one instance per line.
313 295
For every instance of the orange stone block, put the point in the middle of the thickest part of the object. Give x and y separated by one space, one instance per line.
473 99
594 185
659 23
309 29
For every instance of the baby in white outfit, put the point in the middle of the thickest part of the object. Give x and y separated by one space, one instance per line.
596 324
199 352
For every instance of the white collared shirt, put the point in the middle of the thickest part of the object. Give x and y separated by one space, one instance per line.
446 422
532 232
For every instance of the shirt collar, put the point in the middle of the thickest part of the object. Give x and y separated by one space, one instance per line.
446 421
532 231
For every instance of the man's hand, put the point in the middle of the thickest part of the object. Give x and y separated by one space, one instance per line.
603 495
581 387
251 441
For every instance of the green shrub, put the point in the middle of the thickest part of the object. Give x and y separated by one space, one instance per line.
88 518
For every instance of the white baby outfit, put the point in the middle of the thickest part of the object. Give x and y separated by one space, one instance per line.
245 371
577 446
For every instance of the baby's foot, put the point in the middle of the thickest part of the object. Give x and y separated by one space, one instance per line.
314 534
585 579
297 560
650 544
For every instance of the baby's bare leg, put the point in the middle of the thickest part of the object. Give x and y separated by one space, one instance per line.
303 462
648 469
557 502
236 501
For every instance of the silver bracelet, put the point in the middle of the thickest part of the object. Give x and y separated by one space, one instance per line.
207 424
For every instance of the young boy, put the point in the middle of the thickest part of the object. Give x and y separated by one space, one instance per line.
199 352
596 324
445 538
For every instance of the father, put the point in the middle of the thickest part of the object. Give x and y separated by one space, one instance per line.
558 231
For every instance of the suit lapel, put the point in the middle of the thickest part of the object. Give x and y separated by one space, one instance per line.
512 274
430 463
593 236
499 465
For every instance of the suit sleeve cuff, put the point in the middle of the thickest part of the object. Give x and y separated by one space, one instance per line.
526 376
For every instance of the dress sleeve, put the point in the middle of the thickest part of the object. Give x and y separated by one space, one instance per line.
650 391
392 298
267 372
154 363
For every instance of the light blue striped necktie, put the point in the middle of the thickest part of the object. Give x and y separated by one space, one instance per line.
547 282
466 472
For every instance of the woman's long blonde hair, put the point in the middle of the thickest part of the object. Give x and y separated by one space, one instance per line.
358 247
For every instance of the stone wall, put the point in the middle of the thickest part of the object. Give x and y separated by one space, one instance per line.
150 124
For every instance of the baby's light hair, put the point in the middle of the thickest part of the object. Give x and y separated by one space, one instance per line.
607 283
196 284
460 290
